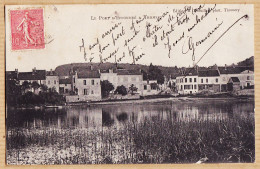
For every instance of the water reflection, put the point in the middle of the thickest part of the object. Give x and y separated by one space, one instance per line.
106 116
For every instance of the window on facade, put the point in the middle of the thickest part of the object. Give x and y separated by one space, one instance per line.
186 87
181 87
216 80
92 82
190 79
191 86
92 92
195 80
54 81
186 80
207 80
66 91
74 79
85 92
84 82
65 84
145 87
248 77
195 86
201 80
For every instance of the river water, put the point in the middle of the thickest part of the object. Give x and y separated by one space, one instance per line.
24 126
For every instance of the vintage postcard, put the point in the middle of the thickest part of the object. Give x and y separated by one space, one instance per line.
130 84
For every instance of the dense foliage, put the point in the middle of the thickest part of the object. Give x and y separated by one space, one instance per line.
156 141
25 94
121 90
106 88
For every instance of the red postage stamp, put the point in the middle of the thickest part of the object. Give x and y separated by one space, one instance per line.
27 28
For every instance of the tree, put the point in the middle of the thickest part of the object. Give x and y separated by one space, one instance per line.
145 75
154 73
121 90
35 85
26 85
53 90
13 91
106 88
132 89
170 85
44 88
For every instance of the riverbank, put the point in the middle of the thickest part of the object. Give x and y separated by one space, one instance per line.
141 101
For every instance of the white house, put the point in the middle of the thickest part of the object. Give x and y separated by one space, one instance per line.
187 81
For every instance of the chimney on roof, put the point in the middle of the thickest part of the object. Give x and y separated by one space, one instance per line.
215 67
91 67
16 72
34 70
225 66
51 72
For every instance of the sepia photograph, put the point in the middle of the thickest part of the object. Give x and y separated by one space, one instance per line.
129 84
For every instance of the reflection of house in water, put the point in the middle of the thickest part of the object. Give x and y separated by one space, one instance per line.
202 112
84 117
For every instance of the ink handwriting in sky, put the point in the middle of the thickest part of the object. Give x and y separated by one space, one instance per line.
126 41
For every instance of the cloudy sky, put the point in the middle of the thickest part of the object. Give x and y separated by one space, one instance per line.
66 25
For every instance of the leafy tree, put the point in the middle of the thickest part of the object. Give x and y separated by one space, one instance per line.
53 90
145 75
106 88
25 85
13 90
154 73
44 88
170 85
132 89
35 85
121 90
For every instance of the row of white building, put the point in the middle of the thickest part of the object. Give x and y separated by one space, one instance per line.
84 83
214 79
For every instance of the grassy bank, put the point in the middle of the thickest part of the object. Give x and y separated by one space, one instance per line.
151 141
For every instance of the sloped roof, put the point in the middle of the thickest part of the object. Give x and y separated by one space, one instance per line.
208 73
128 72
233 69
65 81
189 71
235 79
88 74
51 73
35 75
11 75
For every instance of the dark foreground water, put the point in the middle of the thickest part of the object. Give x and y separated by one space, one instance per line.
163 132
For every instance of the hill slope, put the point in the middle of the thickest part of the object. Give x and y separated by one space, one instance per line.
63 70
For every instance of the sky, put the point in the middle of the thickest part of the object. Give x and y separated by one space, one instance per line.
66 25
